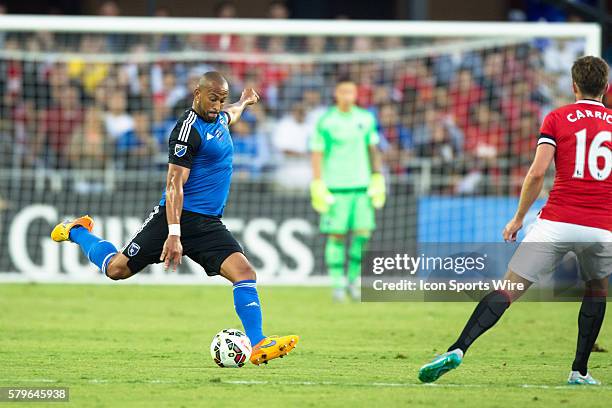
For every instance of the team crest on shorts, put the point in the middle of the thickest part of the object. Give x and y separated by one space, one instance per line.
180 150
133 249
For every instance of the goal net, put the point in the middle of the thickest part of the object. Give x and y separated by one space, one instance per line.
88 104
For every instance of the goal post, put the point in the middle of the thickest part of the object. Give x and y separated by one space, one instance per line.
88 103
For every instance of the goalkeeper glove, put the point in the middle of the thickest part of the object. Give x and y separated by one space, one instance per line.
377 190
320 196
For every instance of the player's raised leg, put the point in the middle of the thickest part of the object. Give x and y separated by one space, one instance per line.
237 269
100 252
97 250
486 314
590 319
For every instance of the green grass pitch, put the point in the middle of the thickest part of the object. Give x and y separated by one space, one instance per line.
146 346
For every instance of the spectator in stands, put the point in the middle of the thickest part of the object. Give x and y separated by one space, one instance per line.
251 152
165 42
415 77
492 80
304 77
443 66
441 146
109 8
464 93
140 95
273 74
130 134
362 44
56 125
316 44
381 96
88 149
222 42
397 137
517 103
167 91
161 125
118 123
89 74
313 107
423 119
226 9
240 68
58 79
115 42
364 74
446 116
485 137
290 140
277 9
143 151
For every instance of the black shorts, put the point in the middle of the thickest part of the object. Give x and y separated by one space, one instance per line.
204 238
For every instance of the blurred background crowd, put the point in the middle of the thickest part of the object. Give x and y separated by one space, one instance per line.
466 113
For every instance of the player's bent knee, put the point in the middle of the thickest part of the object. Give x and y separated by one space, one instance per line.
117 268
237 268
118 272
245 272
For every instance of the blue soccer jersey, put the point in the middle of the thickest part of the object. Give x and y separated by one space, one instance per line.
206 148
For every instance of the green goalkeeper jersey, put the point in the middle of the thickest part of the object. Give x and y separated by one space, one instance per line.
344 139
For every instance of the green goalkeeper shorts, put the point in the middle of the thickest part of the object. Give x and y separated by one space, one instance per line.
352 211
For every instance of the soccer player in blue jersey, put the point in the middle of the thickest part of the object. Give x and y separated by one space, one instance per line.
187 220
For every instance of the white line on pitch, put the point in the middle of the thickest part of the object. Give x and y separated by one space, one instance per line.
384 384
326 383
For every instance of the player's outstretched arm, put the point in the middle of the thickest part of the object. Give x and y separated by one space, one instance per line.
173 250
248 97
532 186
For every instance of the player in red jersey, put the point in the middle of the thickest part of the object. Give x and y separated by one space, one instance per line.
577 217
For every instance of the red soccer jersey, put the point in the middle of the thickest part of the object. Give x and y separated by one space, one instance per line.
582 191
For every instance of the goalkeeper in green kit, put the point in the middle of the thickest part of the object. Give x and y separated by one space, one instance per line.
347 186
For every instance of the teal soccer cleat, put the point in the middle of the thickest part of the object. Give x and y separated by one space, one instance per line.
575 378
440 365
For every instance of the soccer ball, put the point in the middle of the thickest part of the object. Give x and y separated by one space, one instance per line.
230 348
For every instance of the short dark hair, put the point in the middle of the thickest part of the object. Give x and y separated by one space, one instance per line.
213 77
590 75
343 79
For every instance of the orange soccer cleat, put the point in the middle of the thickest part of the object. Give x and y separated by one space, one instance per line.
61 232
273 347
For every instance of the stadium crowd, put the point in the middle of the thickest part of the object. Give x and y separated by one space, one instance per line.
469 114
